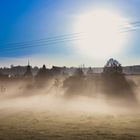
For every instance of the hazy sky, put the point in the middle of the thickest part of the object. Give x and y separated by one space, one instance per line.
39 21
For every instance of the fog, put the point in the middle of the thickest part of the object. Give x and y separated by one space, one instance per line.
71 96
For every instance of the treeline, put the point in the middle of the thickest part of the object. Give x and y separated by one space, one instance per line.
110 84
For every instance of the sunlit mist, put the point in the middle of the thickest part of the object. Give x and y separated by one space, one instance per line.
101 33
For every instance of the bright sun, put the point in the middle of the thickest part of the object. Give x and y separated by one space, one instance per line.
101 33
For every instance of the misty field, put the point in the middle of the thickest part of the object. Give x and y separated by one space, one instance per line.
49 117
46 125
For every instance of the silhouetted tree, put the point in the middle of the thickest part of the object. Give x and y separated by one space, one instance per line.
79 72
90 72
43 76
112 67
3 76
56 71
116 86
28 74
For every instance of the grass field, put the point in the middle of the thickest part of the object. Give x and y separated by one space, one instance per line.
44 118
43 124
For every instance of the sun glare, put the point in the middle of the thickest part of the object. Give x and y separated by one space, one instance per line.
101 33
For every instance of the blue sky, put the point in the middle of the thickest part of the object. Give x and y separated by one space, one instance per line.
25 20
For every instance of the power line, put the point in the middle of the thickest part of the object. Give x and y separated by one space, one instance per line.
40 42
39 45
42 39
128 27
47 41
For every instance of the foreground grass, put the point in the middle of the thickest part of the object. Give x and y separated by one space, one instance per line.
31 124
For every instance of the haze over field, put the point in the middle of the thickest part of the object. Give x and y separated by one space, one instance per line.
46 113
82 80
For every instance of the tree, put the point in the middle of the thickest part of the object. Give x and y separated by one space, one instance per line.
90 71
115 84
79 72
112 67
